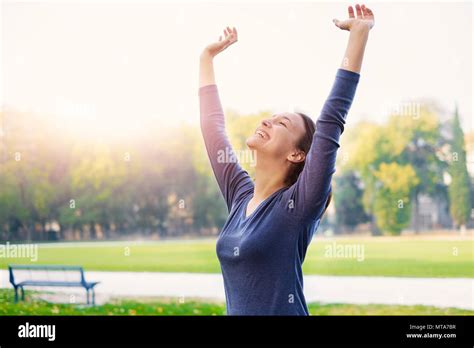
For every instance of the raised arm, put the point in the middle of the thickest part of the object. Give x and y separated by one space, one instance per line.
359 28
308 196
206 65
231 178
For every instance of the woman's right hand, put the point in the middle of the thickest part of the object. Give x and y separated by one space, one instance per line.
365 19
230 37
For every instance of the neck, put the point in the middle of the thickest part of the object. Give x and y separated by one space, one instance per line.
269 178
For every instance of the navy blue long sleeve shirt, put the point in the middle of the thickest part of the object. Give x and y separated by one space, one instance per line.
261 255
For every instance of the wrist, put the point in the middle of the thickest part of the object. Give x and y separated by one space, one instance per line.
360 28
206 55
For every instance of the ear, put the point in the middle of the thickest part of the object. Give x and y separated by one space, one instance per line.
296 156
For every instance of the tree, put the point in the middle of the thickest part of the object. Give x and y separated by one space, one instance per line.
348 201
419 139
459 190
395 183
12 212
367 149
412 140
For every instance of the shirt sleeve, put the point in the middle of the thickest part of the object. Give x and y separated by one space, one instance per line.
233 181
307 197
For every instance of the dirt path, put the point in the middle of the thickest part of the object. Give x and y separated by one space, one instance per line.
439 292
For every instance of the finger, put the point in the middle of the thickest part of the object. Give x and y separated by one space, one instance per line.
235 31
230 35
225 34
351 12
364 11
229 30
369 12
341 24
359 11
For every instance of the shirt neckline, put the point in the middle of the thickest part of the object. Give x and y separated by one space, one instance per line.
246 203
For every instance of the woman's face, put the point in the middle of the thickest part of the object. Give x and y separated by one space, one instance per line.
278 135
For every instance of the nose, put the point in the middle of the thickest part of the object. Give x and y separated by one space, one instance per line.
266 123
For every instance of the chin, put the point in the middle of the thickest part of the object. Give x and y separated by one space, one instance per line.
251 143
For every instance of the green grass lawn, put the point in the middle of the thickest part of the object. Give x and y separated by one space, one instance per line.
407 257
167 306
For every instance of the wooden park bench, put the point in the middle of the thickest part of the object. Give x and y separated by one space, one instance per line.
46 275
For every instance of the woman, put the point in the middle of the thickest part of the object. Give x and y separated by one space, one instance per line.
263 243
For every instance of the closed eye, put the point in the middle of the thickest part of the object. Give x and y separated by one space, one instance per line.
284 124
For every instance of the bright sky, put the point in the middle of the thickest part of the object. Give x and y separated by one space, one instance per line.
126 65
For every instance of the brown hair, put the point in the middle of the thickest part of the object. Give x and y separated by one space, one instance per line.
304 144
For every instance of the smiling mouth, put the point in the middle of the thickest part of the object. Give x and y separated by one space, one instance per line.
262 134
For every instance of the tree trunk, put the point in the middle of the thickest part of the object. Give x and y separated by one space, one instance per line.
44 234
416 206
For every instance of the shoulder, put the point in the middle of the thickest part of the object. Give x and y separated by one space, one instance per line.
292 203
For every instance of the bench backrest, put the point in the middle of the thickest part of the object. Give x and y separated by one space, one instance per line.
19 273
